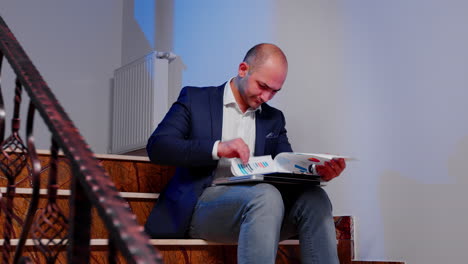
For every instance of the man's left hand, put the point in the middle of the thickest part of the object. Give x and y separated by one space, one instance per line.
331 169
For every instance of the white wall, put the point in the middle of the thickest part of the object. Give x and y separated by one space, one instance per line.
76 45
407 78
388 79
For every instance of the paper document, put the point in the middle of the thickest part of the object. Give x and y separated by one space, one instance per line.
286 162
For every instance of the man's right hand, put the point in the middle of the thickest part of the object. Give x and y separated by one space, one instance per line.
234 148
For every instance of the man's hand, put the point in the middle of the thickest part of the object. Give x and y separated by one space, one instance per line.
234 148
331 169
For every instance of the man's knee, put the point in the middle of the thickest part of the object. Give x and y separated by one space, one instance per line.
315 200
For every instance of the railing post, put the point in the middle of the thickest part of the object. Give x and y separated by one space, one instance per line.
80 225
112 252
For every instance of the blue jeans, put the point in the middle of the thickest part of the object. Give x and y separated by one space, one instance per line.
258 216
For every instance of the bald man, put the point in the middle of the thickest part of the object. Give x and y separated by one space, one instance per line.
209 125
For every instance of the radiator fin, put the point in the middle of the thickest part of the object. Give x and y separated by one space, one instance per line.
139 101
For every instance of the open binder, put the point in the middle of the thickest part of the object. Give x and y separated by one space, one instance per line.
286 167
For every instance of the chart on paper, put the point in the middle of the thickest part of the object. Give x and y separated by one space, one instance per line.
256 165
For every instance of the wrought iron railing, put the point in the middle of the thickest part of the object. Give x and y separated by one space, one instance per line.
51 230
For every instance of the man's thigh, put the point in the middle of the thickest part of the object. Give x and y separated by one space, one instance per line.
221 210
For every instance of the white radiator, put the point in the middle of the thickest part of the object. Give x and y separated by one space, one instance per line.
140 99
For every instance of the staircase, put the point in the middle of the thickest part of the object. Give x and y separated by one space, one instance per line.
139 183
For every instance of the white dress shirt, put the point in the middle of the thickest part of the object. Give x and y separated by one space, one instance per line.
235 125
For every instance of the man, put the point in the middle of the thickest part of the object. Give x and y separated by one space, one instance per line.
204 128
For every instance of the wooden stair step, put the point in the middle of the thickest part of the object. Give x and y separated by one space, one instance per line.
140 183
154 242
377 262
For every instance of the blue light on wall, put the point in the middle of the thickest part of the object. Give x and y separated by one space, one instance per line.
212 36
144 14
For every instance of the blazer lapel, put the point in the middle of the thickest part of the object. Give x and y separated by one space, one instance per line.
260 125
216 105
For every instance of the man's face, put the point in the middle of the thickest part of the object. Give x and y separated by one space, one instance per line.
260 85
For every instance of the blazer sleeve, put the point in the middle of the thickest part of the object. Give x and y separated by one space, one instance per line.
171 143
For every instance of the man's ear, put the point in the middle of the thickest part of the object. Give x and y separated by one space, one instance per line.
243 69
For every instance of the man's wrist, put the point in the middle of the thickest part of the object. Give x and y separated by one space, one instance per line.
214 152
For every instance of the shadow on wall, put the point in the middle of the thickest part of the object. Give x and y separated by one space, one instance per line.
415 215
137 30
176 70
147 35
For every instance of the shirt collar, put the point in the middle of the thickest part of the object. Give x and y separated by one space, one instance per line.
229 99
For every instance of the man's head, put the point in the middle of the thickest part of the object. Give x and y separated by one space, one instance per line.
260 75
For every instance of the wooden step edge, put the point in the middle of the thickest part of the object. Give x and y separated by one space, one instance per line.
376 262
63 192
103 156
154 242
201 242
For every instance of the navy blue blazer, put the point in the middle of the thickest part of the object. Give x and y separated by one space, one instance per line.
185 138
